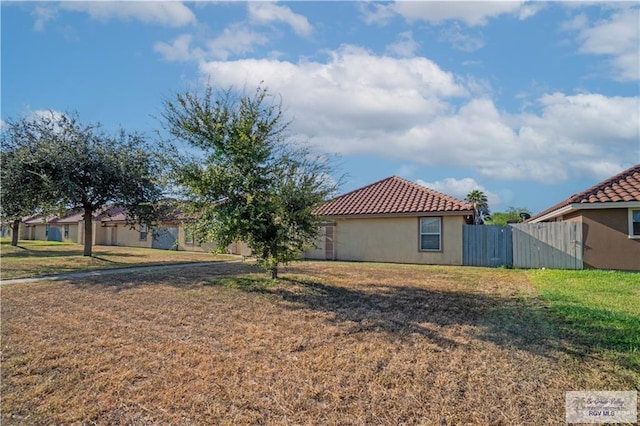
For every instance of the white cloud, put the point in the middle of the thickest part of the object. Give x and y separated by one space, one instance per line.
44 113
617 37
461 41
43 14
179 49
405 47
409 110
376 13
169 13
236 39
459 188
472 13
530 8
266 13
353 91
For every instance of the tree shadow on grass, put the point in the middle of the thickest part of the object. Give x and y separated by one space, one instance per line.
181 275
29 252
523 323
402 311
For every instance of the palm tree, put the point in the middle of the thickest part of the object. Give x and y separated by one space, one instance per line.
480 205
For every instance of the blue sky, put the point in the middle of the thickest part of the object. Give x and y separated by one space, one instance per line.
529 102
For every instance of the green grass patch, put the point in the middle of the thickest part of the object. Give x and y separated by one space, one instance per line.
34 243
252 283
32 258
601 309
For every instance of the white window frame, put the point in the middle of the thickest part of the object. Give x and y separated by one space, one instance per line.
439 234
631 234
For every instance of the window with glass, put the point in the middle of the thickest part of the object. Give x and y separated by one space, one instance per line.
188 236
143 232
634 223
430 233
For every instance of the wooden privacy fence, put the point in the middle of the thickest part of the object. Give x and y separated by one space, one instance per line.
555 245
487 245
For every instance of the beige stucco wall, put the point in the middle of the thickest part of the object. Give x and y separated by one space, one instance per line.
396 240
182 244
317 251
73 233
40 232
121 234
128 237
25 232
606 239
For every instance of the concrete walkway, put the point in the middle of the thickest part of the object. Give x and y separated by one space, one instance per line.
99 272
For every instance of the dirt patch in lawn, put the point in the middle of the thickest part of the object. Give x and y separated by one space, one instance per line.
330 343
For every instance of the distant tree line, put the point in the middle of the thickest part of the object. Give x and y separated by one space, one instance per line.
482 214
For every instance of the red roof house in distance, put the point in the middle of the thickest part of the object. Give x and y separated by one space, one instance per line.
610 215
393 220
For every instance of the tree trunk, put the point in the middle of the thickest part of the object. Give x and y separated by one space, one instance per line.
15 232
274 273
88 232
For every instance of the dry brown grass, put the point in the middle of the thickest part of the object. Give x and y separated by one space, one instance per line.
37 258
331 343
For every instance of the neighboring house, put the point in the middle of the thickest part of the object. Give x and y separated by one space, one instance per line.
5 230
110 228
393 220
170 234
610 217
35 228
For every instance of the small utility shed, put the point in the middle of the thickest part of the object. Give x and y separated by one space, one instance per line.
610 217
393 220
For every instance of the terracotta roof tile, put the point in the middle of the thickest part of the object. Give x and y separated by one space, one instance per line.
624 186
389 196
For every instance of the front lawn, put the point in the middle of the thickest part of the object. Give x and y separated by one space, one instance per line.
600 309
329 343
36 258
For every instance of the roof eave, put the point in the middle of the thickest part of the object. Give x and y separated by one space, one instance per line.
392 215
585 206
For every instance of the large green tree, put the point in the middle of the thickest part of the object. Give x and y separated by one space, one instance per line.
512 215
480 205
24 191
85 168
250 181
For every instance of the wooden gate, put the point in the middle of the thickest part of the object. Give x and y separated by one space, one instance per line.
487 245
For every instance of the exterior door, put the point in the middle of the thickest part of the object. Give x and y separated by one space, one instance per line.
328 242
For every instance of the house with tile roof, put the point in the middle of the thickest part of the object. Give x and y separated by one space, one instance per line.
393 220
610 215
53 228
112 228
